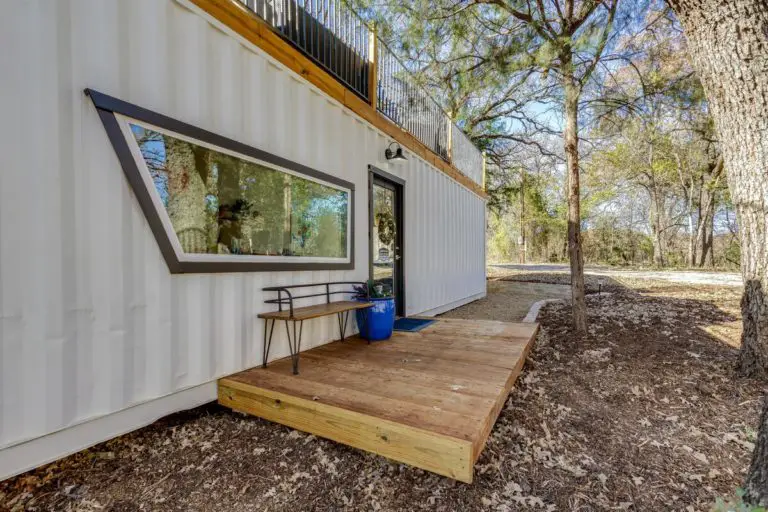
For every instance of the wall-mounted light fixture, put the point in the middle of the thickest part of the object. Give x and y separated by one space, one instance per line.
395 156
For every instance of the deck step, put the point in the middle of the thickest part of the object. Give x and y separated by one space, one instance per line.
422 398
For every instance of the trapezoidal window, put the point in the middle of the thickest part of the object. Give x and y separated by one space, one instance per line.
222 209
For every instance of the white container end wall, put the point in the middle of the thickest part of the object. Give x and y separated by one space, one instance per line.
97 338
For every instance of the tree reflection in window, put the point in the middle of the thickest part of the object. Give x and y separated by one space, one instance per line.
221 204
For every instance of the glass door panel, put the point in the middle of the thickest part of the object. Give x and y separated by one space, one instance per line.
384 233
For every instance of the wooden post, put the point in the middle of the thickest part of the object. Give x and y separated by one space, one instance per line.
373 67
450 136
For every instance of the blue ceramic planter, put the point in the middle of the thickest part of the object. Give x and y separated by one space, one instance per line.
376 322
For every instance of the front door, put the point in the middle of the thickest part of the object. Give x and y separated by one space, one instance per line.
386 234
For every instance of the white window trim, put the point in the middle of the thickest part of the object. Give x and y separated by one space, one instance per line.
125 122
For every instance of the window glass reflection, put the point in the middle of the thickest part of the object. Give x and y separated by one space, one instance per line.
221 204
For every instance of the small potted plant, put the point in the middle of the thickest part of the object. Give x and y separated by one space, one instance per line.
376 322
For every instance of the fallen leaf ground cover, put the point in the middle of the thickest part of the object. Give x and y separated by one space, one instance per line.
643 413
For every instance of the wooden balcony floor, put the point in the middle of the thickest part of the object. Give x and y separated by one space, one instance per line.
427 398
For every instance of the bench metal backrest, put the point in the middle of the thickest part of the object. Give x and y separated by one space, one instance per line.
290 297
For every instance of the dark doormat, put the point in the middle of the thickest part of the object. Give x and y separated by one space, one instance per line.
411 324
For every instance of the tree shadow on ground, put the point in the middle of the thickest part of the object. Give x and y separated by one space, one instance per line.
653 404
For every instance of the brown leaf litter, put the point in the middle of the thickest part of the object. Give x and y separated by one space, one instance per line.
643 413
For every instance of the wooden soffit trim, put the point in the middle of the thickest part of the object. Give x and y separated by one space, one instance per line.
239 18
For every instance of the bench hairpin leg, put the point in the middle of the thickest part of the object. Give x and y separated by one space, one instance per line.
342 323
294 343
346 321
267 340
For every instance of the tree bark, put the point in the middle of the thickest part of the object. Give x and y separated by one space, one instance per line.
186 196
728 42
571 137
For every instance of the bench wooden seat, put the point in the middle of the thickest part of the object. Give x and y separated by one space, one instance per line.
316 311
297 315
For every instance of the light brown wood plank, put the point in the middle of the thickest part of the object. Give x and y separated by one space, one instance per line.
437 399
439 346
499 358
450 380
415 415
255 30
483 328
429 365
493 415
316 311
496 346
427 450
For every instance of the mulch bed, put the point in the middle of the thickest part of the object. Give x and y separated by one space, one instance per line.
643 413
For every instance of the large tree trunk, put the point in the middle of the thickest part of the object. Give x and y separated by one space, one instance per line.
728 42
186 196
571 136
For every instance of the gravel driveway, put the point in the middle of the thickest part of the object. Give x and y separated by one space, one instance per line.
676 276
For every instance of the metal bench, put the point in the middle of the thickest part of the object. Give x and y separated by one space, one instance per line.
297 315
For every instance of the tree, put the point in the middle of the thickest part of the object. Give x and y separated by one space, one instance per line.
728 42
572 37
186 195
654 110
641 157
491 51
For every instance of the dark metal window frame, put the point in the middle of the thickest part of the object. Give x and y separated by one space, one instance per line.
399 190
108 106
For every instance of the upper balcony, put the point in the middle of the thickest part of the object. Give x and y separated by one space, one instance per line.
339 42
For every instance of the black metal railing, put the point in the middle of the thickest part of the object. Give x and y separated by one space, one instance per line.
337 39
327 31
465 156
408 105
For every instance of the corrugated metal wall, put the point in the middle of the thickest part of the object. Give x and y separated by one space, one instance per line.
91 321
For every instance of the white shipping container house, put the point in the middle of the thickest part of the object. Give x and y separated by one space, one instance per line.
158 170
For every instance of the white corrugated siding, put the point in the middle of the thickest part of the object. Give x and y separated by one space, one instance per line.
91 321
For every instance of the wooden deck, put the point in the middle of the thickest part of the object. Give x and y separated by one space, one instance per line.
428 398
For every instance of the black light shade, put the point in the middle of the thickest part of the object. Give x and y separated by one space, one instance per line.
395 156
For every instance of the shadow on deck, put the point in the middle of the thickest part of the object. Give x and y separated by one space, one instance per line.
427 398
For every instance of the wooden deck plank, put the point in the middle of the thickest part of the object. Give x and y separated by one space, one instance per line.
502 356
450 382
416 415
427 450
316 311
501 399
424 363
429 398
398 387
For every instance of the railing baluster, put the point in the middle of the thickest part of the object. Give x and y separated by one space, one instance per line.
342 43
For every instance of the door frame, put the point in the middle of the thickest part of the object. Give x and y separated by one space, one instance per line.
398 185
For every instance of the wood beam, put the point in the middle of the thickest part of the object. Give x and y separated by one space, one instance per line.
437 453
245 23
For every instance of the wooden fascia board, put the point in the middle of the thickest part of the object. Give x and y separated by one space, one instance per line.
238 18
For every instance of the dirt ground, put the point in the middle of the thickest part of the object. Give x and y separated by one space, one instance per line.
509 301
643 413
